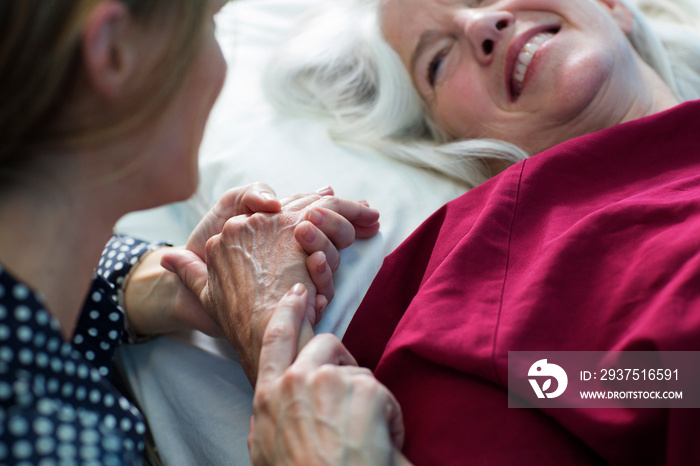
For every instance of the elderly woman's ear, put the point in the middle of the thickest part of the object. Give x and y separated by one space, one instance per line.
621 14
109 49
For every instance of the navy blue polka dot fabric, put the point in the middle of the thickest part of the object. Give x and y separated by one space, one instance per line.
56 403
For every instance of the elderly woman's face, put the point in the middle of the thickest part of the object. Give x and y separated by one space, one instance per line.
531 72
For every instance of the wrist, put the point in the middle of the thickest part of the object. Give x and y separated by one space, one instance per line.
146 296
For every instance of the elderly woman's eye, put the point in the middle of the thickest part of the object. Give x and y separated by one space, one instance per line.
435 66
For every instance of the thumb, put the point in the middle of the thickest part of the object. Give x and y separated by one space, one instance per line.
189 267
259 197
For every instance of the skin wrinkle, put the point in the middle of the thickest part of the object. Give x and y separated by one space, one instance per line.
250 232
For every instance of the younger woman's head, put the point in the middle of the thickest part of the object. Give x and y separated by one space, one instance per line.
105 73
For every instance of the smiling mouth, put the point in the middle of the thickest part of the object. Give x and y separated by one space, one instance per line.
524 59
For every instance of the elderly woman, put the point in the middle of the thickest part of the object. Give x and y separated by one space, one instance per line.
95 125
588 246
340 65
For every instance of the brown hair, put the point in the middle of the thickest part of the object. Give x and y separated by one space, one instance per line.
40 58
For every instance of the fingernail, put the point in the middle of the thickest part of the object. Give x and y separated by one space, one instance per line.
323 304
268 196
321 266
364 203
167 265
315 217
309 234
298 289
325 190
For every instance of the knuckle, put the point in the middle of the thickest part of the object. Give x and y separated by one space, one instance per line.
371 387
255 220
325 282
211 245
333 259
328 339
229 203
262 399
232 226
327 201
327 374
275 332
232 193
303 201
347 238
293 380
231 196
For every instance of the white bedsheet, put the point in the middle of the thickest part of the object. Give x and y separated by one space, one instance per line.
191 387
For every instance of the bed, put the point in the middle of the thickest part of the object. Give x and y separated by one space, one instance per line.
191 387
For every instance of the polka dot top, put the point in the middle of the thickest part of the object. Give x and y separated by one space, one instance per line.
57 405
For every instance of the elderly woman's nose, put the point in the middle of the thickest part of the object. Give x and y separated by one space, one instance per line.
484 29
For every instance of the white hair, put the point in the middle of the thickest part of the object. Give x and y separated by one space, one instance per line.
338 67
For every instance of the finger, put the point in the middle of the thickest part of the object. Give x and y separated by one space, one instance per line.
189 267
366 231
395 420
279 345
308 198
311 239
260 197
323 349
256 197
321 304
299 202
322 277
337 228
355 212
325 191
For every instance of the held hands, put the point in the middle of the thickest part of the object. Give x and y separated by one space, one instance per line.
255 258
320 408
156 300
240 259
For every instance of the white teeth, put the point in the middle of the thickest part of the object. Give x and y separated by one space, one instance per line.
531 48
525 58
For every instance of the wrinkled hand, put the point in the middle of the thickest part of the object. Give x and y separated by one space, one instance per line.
321 408
156 300
256 258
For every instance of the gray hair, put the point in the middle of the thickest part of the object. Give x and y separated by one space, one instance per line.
338 67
